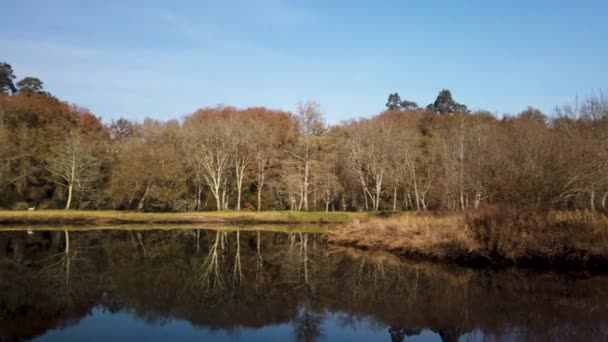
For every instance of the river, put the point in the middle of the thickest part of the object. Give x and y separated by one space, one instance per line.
226 285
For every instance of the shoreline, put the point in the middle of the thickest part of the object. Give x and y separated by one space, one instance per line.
494 238
119 218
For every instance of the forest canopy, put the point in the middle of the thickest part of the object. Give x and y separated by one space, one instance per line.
443 156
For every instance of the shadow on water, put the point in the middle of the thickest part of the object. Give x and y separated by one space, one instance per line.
239 282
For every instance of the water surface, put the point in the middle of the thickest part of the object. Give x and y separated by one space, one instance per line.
200 285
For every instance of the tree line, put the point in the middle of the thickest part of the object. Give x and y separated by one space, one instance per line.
441 157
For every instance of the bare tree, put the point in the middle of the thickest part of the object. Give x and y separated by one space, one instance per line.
266 149
74 165
211 153
368 151
242 153
305 152
149 167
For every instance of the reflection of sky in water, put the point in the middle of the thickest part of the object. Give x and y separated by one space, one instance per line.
104 326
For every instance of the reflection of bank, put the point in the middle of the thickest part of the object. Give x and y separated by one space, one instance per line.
43 282
286 279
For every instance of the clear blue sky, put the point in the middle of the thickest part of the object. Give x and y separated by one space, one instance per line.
166 59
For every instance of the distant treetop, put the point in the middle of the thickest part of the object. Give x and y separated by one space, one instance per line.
6 79
30 85
445 104
395 102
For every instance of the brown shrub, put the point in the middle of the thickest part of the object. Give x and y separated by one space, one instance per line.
525 235
435 237
492 235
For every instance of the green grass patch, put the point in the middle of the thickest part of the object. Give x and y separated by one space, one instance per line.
112 217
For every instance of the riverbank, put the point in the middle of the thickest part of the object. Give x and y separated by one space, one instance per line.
105 218
489 237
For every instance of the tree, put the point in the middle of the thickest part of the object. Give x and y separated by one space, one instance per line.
242 153
6 79
445 104
395 102
148 168
210 153
409 105
266 149
368 151
122 129
74 165
310 124
30 85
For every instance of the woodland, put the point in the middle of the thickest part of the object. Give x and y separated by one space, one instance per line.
440 157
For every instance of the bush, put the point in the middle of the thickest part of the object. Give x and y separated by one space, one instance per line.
528 236
21 206
52 204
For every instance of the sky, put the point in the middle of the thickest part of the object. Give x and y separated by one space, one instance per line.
165 59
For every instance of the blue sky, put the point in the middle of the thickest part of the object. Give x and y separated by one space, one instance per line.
166 59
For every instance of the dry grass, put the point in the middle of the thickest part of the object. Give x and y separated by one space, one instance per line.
526 236
494 235
431 237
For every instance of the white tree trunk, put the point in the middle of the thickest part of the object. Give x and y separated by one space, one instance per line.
142 201
69 202
305 187
395 199
71 181
261 178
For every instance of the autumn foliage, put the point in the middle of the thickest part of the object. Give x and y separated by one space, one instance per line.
57 155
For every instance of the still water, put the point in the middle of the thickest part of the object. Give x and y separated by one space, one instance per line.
209 285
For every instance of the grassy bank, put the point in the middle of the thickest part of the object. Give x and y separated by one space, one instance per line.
493 236
94 217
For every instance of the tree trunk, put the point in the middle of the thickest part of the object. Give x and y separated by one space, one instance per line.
305 189
592 199
461 157
199 192
224 202
416 192
395 199
378 192
477 199
67 241
239 169
218 199
69 202
238 196
259 198
140 205
259 192
604 197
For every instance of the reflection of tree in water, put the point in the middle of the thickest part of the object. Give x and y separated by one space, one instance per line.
399 334
57 267
237 276
307 323
211 276
260 276
285 278
53 283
